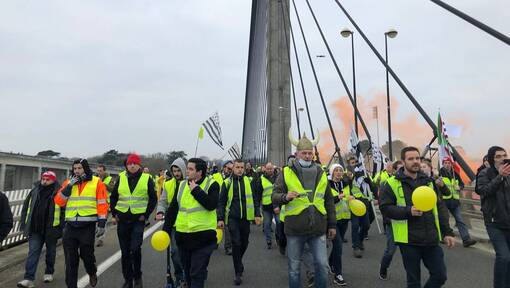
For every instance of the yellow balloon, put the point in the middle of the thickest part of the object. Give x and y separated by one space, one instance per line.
357 207
219 235
160 241
424 198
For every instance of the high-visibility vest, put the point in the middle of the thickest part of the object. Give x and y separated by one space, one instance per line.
107 180
342 206
400 227
192 216
218 178
300 203
453 187
381 177
170 186
82 207
356 192
267 187
250 207
56 214
136 201
282 213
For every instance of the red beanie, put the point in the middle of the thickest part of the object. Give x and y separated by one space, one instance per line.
133 159
49 174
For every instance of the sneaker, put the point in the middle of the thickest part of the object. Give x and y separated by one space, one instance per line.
310 282
357 253
269 245
47 278
138 283
383 274
26 284
93 280
339 280
238 280
344 240
362 247
228 251
99 243
469 243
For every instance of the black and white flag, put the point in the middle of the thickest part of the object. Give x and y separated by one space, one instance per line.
234 152
213 128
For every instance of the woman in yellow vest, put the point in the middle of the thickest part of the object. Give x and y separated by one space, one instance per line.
133 199
340 188
193 212
238 207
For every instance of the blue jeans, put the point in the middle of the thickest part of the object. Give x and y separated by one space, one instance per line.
317 245
35 244
268 223
176 258
359 229
500 240
454 208
433 259
335 258
391 248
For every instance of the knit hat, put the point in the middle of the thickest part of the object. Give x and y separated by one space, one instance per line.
49 174
133 159
333 167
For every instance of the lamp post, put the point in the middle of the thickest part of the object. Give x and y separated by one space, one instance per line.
392 33
281 108
299 118
346 33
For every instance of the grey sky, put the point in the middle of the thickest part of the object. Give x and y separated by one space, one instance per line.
83 77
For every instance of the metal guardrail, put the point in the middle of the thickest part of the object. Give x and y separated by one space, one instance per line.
16 199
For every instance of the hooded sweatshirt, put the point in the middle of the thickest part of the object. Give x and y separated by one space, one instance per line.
163 200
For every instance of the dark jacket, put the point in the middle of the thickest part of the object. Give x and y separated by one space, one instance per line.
5 217
33 199
258 190
195 240
494 191
132 181
237 209
422 230
310 221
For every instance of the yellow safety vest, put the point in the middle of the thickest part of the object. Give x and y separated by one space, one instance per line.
342 206
399 227
135 201
453 187
250 208
83 207
56 214
218 178
170 186
300 203
107 180
192 216
267 187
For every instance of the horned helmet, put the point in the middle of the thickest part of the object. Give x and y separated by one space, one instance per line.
304 143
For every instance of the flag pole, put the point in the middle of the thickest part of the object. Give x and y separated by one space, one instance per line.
196 147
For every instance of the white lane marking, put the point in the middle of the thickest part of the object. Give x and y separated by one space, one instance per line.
84 281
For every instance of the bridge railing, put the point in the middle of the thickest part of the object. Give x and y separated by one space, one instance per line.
16 199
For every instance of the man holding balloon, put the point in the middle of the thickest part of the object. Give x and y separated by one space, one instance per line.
419 220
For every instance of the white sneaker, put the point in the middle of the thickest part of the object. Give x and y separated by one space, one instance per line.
48 278
26 284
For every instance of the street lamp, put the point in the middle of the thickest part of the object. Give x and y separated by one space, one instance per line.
392 33
346 33
298 117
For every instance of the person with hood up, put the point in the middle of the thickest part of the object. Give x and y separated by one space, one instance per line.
42 222
494 187
133 199
169 191
84 198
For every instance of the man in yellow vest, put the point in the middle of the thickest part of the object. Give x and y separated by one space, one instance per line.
309 211
193 211
263 189
168 193
238 207
453 182
42 222
417 233
84 197
133 199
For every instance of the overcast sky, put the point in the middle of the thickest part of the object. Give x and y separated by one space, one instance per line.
84 77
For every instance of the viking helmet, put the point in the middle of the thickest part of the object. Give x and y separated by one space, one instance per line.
304 143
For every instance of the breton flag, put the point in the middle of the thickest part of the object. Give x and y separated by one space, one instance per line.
213 128
234 152
445 152
378 158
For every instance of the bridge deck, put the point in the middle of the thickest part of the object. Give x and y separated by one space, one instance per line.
467 267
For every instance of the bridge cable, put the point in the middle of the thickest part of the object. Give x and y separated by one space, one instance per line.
337 148
429 121
493 32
